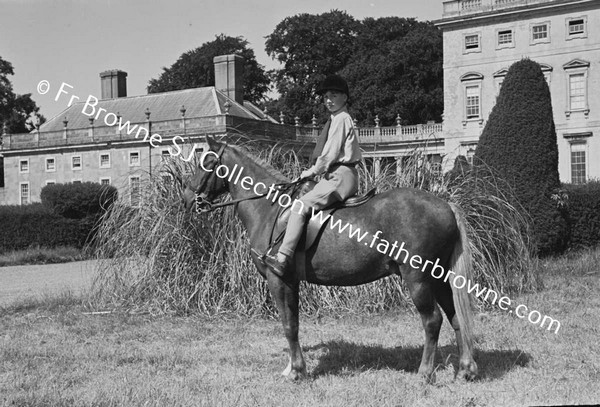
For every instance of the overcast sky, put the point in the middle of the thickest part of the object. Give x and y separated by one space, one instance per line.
73 41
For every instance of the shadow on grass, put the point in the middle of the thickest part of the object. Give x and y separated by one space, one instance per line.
341 358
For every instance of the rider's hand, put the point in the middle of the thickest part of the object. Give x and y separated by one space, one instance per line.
306 174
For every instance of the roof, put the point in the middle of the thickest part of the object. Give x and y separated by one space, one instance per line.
198 102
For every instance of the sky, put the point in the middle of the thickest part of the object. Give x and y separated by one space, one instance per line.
71 42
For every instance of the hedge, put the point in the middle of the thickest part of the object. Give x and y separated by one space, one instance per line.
79 200
519 143
34 225
584 214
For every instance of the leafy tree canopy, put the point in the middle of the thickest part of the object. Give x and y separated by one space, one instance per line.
310 47
195 69
393 66
19 112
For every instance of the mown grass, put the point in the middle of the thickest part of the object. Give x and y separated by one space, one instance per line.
54 353
42 255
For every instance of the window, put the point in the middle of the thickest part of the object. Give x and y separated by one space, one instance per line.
577 86
472 101
505 38
134 158
50 182
104 160
470 155
76 181
50 164
577 91
578 163
24 193
24 165
499 79
471 43
76 162
472 82
134 190
104 181
540 32
547 71
435 162
576 27
165 155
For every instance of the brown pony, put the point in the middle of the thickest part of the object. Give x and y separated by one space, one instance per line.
429 237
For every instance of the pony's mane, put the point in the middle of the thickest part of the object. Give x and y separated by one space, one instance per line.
259 162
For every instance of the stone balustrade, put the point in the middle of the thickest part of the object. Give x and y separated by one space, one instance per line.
218 124
454 8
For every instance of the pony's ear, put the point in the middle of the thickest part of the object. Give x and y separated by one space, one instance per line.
212 143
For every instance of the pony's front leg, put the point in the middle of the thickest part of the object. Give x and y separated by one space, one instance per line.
285 293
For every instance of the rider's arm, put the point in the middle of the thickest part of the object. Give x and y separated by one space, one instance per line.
340 128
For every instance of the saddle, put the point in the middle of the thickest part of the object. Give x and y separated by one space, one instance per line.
313 227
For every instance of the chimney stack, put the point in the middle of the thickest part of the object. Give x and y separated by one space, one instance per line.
113 84
229 71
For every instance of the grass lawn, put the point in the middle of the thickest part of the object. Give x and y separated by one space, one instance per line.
54 354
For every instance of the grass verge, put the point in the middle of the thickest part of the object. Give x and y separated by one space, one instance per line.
42 255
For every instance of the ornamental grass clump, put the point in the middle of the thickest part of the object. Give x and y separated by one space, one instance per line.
159 258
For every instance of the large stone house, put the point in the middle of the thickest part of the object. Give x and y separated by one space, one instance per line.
122 140
482 38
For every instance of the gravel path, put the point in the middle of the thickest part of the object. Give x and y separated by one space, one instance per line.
17 282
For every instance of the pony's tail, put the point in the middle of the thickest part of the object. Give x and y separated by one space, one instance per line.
461 264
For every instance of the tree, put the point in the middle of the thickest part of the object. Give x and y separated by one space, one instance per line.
195 69
19 112
310 47
396 69
519 144
393 66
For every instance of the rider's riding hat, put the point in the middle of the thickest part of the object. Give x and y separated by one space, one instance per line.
334 82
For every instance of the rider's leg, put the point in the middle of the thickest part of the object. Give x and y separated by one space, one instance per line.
323 195
293 232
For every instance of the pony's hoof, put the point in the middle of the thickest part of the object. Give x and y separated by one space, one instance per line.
296 375
429 377
467 373
293 374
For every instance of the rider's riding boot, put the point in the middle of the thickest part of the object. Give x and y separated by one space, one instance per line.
281 268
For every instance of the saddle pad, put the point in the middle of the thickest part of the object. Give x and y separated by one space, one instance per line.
314 226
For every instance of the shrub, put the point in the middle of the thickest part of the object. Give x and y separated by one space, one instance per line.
584 214
35 225
79 200
519 144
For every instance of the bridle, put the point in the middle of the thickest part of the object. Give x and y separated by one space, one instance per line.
203 205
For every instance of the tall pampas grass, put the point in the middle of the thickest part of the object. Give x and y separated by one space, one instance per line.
161 259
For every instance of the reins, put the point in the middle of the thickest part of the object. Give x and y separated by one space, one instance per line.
203 205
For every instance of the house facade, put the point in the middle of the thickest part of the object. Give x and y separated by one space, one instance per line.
124 141
482 38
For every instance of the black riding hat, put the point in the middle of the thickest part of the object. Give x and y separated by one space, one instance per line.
334 82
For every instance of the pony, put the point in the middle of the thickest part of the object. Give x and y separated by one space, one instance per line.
424 229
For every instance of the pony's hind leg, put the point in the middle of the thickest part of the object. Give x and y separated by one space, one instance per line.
423 298
467 368
286 295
